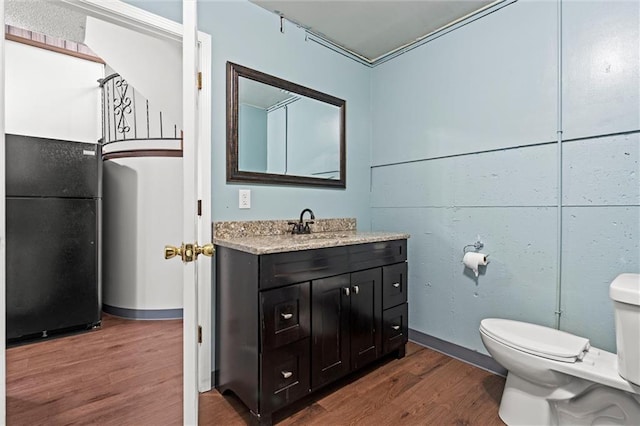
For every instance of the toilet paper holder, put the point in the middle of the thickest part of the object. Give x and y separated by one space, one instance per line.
477 246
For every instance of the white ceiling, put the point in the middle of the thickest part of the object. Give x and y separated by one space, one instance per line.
373 28
369 28
260 95
46 17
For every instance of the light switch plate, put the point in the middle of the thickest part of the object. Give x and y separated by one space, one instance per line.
244 198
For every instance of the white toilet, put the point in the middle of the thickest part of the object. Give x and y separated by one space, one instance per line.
556 378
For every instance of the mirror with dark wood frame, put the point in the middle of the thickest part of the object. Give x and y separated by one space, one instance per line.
279 132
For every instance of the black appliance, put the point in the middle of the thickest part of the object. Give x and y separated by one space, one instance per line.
53 191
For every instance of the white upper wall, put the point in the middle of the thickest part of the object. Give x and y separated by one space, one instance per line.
51 95
153 66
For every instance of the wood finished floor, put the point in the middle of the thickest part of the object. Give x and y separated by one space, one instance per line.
423 388
129 373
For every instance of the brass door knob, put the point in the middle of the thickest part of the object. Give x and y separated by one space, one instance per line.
172 251
206 250
188 252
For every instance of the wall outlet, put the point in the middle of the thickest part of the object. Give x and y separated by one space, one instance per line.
244 198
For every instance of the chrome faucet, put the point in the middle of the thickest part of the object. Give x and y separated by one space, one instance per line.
303 227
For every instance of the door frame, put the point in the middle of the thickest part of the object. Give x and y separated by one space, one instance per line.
3 245
137 19
205 229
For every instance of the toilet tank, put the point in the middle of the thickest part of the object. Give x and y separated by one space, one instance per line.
625 293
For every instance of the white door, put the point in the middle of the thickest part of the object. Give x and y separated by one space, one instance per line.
190 209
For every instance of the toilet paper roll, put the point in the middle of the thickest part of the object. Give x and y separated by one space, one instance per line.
472 260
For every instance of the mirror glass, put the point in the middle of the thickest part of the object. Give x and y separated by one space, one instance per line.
283 133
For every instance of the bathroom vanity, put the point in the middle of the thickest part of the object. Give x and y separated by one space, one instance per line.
297 312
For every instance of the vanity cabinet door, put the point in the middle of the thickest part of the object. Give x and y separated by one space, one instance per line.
394 284
394 328
285 315
330 329
366 316
285 375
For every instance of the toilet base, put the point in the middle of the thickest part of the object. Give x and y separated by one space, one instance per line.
524 403
579 403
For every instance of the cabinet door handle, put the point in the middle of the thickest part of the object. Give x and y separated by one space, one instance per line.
286 374
395 327
286 316
346 291
396 285
356 289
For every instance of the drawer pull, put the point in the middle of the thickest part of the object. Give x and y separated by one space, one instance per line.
286 316
356 289
286 374
395 327
396 285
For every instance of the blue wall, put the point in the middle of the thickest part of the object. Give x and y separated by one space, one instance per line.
458 137
249 35
464 143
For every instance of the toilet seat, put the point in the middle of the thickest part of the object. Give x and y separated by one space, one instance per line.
536 340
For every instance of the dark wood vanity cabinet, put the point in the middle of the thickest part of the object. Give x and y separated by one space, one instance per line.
394 314
289 323
347 324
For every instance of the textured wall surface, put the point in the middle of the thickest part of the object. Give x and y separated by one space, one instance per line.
487 85
601 220
464 144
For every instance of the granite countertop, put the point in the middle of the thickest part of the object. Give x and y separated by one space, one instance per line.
267 237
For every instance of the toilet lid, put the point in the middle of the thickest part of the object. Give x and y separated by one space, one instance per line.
536 339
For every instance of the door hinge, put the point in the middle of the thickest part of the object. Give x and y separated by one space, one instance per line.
199 334
199 207
199 80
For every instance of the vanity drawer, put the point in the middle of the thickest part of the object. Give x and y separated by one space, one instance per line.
280 269
285 375
285 315
394 285
394 328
